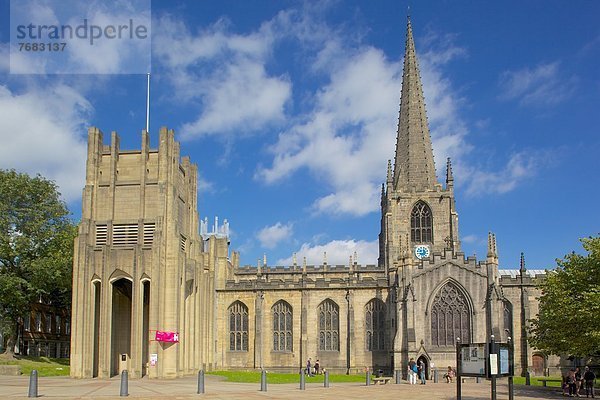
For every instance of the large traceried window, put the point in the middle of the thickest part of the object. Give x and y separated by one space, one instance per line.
238 327
508 321
421 223
375 325
450 317
282 326
329 326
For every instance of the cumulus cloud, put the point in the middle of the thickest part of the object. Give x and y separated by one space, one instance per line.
338 252
520 167
544 85
42 131
224 75
270 236
347 137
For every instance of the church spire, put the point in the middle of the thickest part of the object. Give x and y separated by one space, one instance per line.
414 166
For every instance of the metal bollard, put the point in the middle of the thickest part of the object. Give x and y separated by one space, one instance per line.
368 377
477 379
302 380
33 384
263 381
124 384
201 381
398 376
435 376
326 382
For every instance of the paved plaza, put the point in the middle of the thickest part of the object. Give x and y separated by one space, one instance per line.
216 388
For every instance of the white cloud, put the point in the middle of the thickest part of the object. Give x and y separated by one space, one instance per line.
544 85
520 167
42 131
338 253
270 236
350 133
225 73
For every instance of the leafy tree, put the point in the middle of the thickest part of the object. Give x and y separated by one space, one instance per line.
569 317
36 248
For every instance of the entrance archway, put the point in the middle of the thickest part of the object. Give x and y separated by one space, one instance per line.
538 362
426 363
121 325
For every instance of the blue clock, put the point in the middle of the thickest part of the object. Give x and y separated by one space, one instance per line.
422 251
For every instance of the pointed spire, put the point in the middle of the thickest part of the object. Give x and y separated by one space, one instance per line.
414 165
449 177
522 268
490 246
390 176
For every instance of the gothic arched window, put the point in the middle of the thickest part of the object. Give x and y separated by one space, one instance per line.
329 326
508 321
282 326
421 223
450 317
375 325
238 327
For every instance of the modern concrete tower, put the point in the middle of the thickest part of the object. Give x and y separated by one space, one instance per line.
140 265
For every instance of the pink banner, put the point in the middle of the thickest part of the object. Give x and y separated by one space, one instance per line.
167 336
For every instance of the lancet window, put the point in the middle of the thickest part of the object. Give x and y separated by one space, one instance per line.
329 326
282 326
238 327
421 223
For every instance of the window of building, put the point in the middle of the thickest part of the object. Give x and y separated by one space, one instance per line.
421 223
124 234
282 326
329 326
38 321
27 322
450 316
375 325
49 323
67 327
58 324
508 322
238 327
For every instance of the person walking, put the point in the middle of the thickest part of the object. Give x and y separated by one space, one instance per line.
308 367
589 377
571 381
422 372
317 366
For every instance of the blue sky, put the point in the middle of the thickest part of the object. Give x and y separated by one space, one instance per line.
290 111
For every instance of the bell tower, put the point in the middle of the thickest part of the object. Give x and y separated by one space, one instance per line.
416 209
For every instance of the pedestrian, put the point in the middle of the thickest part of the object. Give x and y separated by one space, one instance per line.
589 377
571 382
317 366
578 381
412 371
422 372
308 367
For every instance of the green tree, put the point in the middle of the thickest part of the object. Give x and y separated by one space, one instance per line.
569 317
36 248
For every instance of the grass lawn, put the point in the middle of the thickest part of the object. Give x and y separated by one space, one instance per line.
273 377
44 365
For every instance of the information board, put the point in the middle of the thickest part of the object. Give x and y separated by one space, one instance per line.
472 359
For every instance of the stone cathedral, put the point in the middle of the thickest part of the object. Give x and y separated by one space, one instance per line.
155 292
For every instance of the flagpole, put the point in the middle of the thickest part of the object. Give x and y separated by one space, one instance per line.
148 105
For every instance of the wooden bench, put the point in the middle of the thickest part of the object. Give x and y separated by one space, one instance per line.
383 380
545 380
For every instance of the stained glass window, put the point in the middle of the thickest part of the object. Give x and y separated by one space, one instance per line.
450 317
329 326
238 327
375 325
282 326
421 223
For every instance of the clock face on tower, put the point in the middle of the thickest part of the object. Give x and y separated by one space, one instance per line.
422 251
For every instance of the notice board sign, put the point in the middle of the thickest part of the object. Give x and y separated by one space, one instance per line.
472 358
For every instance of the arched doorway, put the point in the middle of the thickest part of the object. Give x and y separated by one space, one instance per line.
426 363
121 325
538 364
